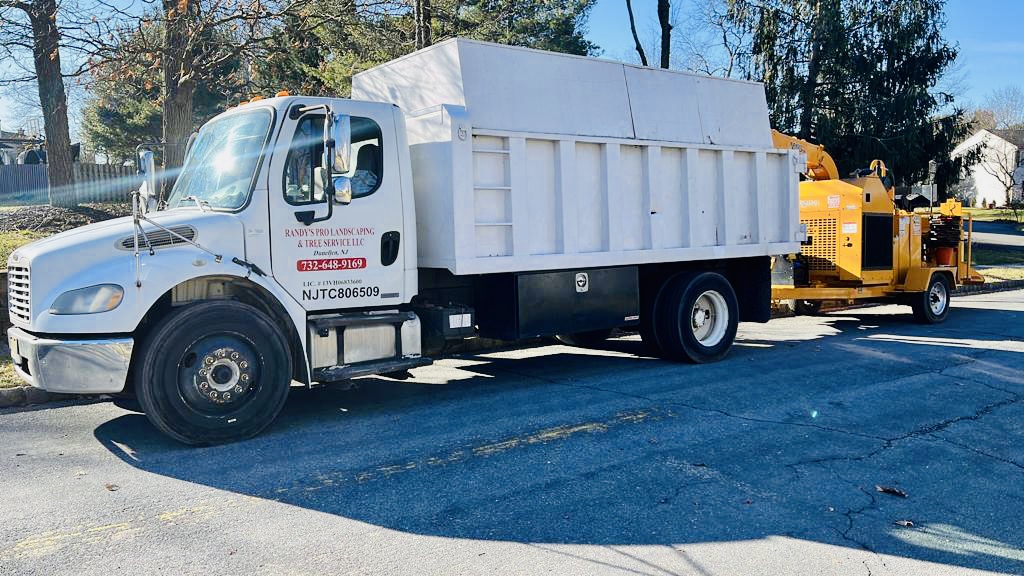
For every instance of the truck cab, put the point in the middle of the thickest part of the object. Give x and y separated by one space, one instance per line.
251 232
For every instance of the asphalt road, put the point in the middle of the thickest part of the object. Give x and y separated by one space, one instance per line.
998 234
566 461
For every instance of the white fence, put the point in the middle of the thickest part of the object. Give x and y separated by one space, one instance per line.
22 184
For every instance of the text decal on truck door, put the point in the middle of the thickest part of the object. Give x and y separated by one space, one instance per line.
330 264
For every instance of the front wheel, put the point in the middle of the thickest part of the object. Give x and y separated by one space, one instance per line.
932 305
213 372
698 316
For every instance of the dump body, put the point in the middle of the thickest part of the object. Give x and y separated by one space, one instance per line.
525 160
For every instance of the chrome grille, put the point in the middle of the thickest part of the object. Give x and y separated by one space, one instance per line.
160 238
18 303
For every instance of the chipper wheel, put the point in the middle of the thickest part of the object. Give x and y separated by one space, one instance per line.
932 306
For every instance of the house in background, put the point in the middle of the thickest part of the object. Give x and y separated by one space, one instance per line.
1001 169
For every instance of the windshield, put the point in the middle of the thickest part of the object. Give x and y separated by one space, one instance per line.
222 162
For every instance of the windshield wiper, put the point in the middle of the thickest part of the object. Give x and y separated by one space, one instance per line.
202 204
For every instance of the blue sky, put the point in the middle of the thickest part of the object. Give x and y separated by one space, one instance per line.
990 34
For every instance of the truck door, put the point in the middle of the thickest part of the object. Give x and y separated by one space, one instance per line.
352 258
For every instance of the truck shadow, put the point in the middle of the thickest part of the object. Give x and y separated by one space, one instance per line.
554 445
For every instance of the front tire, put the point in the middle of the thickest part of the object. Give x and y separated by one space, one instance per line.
698 316
213 372
932 305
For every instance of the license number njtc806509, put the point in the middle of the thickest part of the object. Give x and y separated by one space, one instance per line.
330 264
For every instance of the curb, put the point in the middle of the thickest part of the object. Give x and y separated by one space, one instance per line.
27 396
988 288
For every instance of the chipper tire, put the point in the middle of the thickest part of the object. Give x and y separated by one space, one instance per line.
807 307
213 372
932 305
697 318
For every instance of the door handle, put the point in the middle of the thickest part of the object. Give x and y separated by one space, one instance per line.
389 242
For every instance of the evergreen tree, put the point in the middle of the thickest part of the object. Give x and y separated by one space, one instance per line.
858 76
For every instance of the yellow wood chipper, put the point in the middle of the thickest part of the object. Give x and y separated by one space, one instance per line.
862 244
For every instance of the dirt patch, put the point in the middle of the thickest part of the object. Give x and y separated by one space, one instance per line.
47 220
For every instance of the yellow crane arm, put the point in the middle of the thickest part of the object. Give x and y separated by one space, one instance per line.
820 165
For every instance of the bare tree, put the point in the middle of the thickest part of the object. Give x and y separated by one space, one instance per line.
424 32
1003 161
1007 107
38 33
636 39
710 43
665 23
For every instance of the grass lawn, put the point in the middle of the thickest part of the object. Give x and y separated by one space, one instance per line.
8 379
990 257
11 241
1002 274
991 214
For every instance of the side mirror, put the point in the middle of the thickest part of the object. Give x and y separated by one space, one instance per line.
343 190
342 187
147 168
339 130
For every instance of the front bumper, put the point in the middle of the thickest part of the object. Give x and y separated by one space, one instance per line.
93 366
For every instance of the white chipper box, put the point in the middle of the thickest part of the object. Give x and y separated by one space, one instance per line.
529 160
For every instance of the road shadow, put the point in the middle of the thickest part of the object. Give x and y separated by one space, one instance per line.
554 445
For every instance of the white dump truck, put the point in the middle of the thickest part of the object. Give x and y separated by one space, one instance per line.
465 190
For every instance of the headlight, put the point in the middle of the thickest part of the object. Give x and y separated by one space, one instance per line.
89 300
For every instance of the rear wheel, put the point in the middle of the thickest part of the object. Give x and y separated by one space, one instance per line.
590 339
932 305
807 307
213 372
697 317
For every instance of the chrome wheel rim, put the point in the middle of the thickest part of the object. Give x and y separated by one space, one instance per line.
938 298
709 318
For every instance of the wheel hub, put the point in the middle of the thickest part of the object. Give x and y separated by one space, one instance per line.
937 298
710 318
224 375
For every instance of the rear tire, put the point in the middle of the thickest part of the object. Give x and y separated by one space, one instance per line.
932 305
589 339
697 318
213 372
807 307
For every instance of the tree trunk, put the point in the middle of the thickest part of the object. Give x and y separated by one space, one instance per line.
807 91
424 33
177 93
632 28
177 127
46 54
664 16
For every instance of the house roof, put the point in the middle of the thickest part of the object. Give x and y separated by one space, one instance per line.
1015 137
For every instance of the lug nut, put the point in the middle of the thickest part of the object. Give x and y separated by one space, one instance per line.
227 395
208 360
213 394
203 372
204 386
244 377
238 389
243 365
221 353
234 355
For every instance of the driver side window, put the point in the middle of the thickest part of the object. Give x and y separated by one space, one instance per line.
305 155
